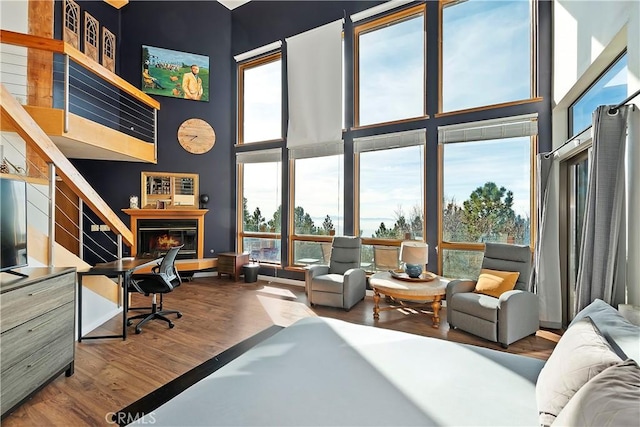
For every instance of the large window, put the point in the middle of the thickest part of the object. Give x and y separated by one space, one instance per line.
486 197
609 89
259 196
260 99
390 70
390 189
318 200
486 53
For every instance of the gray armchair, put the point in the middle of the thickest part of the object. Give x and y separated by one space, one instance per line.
506 319
342 283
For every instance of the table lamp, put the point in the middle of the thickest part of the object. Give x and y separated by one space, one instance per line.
415 256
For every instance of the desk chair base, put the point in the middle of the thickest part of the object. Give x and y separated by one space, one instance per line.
155 314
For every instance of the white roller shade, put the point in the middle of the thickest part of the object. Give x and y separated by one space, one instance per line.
508 127
317 150
390 140
381 8
258 51
314 73
261 156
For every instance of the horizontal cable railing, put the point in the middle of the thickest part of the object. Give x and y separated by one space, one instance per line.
79 85
38 142
102 246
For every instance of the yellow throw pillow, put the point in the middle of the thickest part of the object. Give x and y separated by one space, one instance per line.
495 283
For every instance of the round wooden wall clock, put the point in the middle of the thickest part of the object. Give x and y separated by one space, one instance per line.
196 136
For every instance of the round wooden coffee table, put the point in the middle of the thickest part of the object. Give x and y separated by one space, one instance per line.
408 293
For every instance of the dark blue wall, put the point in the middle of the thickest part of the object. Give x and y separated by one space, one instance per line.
197 27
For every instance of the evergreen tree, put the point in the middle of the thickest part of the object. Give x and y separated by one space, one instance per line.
488 212
275 222
327 225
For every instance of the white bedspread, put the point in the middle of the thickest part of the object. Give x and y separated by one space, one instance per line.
327 372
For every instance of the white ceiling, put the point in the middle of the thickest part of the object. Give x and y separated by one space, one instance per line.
232 4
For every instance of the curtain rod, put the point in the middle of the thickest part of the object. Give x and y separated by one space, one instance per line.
614 109
611 110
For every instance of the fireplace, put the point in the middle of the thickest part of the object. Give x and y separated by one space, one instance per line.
156 236
155 230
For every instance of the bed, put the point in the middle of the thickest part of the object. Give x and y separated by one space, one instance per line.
327 372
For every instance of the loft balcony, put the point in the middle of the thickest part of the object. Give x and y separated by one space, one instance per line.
87 111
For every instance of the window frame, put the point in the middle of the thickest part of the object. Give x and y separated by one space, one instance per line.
292 235
241 233
356 204
380 23
608 68
242 67
533 77
472 246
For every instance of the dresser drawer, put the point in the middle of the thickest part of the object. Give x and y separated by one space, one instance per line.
27 375
23 304
27 338
226 264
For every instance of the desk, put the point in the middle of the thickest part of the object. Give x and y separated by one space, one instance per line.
119 268
407 294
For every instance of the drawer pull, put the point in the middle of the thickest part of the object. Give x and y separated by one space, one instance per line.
39 292
35 362
40 325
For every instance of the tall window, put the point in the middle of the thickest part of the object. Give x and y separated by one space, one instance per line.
390 189
486 53
390 68
260 99
485 197
318 201
259 201
609 89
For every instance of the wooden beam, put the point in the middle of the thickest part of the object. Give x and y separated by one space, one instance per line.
29 130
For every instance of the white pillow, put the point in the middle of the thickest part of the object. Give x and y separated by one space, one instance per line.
581 354
611 398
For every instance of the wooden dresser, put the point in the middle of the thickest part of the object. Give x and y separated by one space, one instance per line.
37 316
231 263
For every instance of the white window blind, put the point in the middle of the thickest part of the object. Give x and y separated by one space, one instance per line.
258 51
314 75
508 127
317 150
260 156
390 140
376 10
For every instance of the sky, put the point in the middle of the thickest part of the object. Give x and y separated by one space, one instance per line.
391 88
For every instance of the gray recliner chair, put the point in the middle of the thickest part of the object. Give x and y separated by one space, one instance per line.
506 319
342 283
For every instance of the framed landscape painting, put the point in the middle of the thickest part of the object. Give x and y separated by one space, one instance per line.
176 74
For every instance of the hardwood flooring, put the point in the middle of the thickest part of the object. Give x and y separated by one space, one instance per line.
218 313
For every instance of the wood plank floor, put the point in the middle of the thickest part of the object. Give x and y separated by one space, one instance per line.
218 313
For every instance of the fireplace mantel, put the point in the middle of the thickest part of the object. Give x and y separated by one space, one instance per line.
137 214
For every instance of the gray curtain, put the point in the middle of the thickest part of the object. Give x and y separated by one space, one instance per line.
545 271
600 248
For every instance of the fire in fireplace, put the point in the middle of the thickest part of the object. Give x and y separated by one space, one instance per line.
156 236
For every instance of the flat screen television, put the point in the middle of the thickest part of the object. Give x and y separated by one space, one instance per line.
13 225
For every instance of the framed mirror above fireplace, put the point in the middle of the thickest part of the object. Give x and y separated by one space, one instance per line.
169 190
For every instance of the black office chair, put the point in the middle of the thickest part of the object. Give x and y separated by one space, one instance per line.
163 279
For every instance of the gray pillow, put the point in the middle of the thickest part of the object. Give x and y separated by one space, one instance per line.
581 354
623 336
611 398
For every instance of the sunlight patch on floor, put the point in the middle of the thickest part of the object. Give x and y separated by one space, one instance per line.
283 312
277 291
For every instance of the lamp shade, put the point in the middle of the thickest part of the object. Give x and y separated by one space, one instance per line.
414 252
